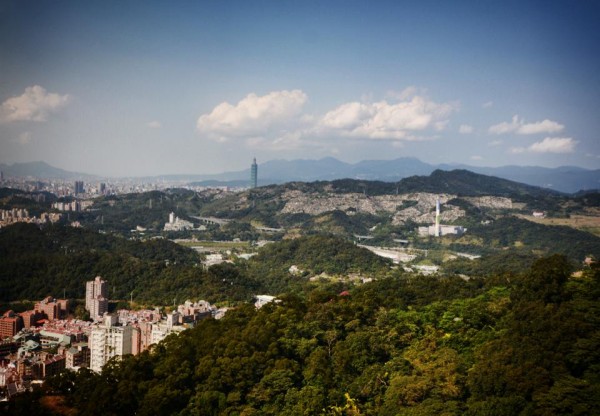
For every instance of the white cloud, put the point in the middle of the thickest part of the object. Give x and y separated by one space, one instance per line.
505 127
549 145
487 104
465 129
406 93
386 121
519 126
517 150
476 157
35 104
440 125
154 124
252 116
276 121
495 143
554 145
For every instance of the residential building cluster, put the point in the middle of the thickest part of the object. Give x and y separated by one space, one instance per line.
38 343
76 205
14 215
47 309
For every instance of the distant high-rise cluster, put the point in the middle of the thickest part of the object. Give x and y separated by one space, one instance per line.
254 174
96 302
79 187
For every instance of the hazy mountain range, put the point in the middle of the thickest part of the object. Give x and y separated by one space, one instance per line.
568 179
564 179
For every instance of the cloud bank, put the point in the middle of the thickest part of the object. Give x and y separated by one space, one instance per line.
252 116
517 125
465 129
277 118
386 121
35 104
549 145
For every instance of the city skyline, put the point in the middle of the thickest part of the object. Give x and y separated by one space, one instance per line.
125 89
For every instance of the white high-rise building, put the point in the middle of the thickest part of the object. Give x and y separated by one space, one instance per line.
109 340
96 302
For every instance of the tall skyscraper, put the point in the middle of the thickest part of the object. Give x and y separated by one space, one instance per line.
437 218
96 302
79 187
254 174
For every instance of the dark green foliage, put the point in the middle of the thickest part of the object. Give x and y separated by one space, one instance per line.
466 183
492 265
533 365
589 199
528 349
505 232
35 263
313 255
516 342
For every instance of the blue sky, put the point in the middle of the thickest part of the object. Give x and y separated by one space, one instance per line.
139 88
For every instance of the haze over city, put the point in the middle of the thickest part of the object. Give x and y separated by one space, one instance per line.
132 88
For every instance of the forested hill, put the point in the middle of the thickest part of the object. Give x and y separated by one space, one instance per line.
35 263
467 183
23 238
459 182
525 346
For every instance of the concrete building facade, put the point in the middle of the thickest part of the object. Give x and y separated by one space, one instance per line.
96 302
109 340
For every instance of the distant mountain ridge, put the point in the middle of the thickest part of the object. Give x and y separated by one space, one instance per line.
39 169
568 179
458 181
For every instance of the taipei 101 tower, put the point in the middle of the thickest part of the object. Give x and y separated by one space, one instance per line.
254 174
437 218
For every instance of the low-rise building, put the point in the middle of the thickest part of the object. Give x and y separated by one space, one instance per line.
441 230
77 356
53 308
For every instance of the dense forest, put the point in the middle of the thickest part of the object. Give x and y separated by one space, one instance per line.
517 344
35 263
514 332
